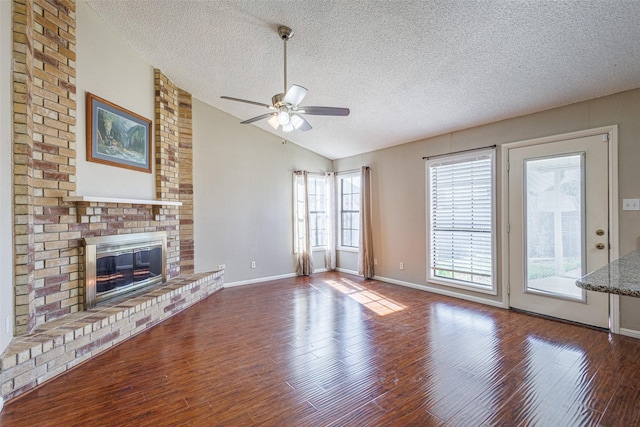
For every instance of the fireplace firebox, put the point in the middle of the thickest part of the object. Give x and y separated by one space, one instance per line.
119 264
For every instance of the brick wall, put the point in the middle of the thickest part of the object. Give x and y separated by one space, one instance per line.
49 231
185 156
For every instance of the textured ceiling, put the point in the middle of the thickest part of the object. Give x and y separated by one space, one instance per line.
407 69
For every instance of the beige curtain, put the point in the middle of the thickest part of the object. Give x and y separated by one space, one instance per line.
365 253
330 206
303 243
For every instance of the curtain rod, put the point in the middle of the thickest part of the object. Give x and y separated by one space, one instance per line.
299 171
458 152
337 173
351 170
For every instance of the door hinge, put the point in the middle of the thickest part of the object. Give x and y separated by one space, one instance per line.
508 166
508 228
605 137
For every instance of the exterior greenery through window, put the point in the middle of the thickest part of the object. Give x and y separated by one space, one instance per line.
317 210
349 190
461 230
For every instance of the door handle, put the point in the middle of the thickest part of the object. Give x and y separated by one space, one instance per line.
600 246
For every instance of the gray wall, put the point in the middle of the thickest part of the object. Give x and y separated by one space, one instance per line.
398 179
6 227
243 196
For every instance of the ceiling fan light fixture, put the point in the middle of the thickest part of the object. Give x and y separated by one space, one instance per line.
287 128
283 118
273 121
286 111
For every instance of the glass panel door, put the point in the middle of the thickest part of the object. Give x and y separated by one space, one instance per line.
554 212
558 201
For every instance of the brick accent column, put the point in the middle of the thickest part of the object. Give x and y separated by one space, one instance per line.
167 173
23 165
44 155
185 156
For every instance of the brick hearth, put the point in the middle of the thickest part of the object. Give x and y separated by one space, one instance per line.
59 345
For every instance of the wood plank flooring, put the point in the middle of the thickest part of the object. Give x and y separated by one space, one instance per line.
335 350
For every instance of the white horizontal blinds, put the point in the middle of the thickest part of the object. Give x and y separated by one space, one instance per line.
461 219
299 208
350 211
317 210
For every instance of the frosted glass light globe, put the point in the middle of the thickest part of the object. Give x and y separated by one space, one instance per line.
283 118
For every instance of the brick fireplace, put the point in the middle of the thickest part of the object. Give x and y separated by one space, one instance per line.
53 330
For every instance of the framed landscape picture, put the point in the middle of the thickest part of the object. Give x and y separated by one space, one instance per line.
116 136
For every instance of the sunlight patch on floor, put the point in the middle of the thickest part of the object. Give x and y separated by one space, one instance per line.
374 301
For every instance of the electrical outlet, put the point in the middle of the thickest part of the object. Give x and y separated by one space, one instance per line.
402 266
253 264
222 266
631 204
375 261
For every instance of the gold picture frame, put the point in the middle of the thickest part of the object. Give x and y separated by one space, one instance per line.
116 136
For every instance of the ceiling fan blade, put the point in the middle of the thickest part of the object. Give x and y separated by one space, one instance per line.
324 111
295 95
255 119
261 104
300 123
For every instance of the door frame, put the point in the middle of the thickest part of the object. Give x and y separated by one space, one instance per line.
612 132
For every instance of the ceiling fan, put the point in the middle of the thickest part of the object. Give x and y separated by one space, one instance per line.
286 109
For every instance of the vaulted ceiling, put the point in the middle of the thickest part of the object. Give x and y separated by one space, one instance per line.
407 69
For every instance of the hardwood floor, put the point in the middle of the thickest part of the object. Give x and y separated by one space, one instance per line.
336 350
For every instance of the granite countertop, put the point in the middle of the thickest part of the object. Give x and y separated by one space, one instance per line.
621 276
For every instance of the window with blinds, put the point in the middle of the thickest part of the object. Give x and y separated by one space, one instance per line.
349 225
460 224
317 211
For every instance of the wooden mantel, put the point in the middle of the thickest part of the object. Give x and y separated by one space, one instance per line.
83 202
99 199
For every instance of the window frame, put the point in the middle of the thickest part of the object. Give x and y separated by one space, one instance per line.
450 159
324 196
341 177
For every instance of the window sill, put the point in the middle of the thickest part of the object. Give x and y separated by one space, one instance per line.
347 249
458 285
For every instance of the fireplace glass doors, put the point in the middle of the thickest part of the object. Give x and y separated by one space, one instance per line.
119 264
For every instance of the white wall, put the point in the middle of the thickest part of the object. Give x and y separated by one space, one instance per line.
398 179
109 68
6 189
243 196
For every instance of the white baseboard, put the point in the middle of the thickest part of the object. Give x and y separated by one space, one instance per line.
344 270
445 292
258 280
630 333
320 270
1 403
